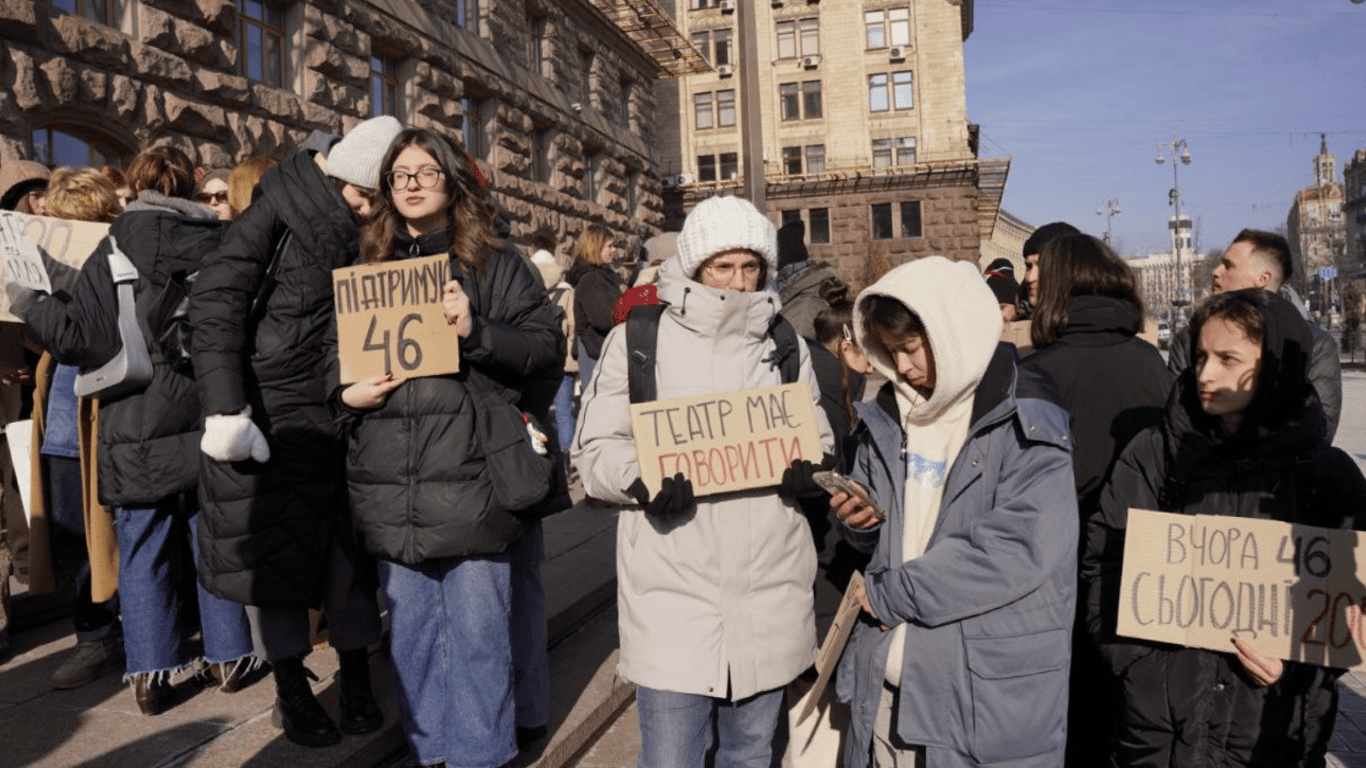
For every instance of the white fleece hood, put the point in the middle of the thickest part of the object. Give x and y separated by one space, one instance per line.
962 320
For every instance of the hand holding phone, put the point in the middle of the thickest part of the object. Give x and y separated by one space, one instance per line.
836 483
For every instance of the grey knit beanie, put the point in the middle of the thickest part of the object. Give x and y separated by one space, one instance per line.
357 157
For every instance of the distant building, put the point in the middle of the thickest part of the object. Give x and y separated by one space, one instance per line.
1316 227
1007 241
1162 278
554 99
865 135
1354 210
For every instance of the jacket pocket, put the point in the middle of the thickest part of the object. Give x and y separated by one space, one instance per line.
1019 694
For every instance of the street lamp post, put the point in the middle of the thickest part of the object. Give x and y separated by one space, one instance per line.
1108 209
1179 151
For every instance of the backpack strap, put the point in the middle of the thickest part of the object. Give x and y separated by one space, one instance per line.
642 339
787 356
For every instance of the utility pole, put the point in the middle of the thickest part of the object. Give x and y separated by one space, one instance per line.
1108 209
751 112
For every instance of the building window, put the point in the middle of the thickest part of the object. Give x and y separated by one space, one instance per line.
540 156
798 38
715 45
592 166
586 60
899 95
730 165
792 161
790 216
698 5
882 221
887 27
813 155
467 15
383 86
725 108
627 87
536 42
815 158
905 151
702 42
800 101
105 12
722 167
818 228
706 167
714 110
263 34
704 114
53 146
889 152
910 219
472 128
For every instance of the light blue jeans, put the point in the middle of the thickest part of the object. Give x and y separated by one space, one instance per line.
449 635
564 412
156 545
676 729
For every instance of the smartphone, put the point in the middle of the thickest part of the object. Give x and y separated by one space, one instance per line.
834 481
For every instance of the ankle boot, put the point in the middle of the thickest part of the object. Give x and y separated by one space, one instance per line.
359 712
151 694
297 710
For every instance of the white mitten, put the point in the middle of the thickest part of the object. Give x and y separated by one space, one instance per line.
234 437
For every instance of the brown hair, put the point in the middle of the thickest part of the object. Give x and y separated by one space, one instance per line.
166 170
1242 308
470 213
831 324
588 247
885 316
114 175
243 180
1077 265
82 194
1271 246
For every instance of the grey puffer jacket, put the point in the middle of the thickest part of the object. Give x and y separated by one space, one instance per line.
988 607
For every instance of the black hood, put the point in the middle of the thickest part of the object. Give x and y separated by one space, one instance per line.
1285 415
312 208
1109 319
577 270
425 244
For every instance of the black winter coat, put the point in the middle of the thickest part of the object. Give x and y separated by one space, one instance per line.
596 290
1112 383
148 441
266 528
1193 707
419 489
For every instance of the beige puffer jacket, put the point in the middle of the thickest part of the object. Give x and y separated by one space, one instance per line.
722 602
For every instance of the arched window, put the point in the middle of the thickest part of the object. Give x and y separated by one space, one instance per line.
54 146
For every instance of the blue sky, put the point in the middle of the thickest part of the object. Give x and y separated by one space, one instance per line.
1079 92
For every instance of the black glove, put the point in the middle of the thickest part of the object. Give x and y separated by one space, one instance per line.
674 499
798 482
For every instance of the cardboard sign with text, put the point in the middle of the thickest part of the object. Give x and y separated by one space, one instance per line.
390 318
1200 580
24 242
728 441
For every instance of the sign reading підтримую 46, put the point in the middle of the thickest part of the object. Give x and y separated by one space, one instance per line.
390 319
1293 591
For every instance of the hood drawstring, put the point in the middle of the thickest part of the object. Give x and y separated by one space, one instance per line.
414 250
683 305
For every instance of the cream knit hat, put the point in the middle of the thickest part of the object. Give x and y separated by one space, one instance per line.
721 224
357 157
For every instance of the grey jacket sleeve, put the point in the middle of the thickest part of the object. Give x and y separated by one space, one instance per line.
1325 372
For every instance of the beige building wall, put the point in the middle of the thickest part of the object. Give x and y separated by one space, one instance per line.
1316 226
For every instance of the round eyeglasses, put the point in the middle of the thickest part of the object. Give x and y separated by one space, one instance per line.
426 178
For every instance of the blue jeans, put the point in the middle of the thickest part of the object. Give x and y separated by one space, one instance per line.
564 412
449 638
155 544
530 661
676 729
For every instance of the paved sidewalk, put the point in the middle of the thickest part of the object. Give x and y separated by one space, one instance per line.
99 725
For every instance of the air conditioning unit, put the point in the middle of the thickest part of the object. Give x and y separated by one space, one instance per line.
898 52
685 178
668 182
724 70
811 62
726 6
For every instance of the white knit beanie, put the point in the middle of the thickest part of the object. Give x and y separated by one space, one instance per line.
357 157
721 224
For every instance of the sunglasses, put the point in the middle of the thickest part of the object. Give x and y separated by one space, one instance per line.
213 198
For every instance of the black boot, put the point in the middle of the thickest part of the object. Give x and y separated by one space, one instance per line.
359 713
296 709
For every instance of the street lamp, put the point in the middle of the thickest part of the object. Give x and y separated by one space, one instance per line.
1108 208
1174 198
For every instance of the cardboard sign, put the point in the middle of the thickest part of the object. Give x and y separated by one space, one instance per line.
728 441
44 253
1200 580
390 319
828 657
1017 332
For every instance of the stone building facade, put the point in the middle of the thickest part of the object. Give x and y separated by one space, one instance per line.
1316 228
864 126
554 99
1354 209
1007 242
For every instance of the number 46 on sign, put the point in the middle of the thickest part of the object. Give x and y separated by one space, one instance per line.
390 319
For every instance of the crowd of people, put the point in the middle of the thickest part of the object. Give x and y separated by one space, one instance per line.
202 512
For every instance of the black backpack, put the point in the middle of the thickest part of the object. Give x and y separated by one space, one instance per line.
642 338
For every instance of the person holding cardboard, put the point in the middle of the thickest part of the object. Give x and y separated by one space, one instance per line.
962 655
422 492
1244 435
715 591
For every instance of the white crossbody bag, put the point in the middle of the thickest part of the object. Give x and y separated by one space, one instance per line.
130 370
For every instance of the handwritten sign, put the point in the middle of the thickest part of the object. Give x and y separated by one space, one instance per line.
727 441
390 319
1200 580
44 253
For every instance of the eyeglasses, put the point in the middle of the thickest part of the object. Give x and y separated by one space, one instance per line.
213 198
725 272
426 178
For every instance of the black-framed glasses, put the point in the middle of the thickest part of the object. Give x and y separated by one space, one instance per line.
213 198
427 177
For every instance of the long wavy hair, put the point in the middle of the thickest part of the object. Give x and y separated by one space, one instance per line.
470 212
1077 265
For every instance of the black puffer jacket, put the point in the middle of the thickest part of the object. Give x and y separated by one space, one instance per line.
148 441
595 293
1113 385
418 486
265 529
1192 707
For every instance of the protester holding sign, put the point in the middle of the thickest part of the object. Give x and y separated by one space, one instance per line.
714 591
962 658
422 491
1245 436
147 439
277 534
